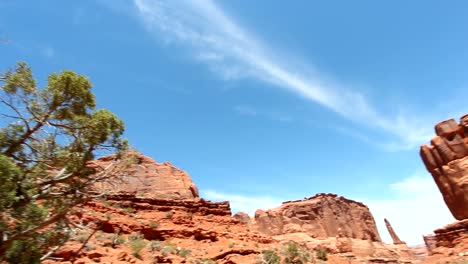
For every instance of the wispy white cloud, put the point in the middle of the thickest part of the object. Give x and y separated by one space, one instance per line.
417 209
226 48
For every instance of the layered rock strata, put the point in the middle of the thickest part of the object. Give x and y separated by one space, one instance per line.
447 160
148 178
320 216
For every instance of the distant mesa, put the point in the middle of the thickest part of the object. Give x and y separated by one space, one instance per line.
321 216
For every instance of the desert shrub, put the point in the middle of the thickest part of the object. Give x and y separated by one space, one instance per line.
137 246
168 248
155 245
321 254
153 224
294 254
169 215
269 256
117 239
184 252
135 236
128 210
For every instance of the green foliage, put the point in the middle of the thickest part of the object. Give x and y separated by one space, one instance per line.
169 215
137 246
135 236
155 245
48 138
269 256
168 248
321 254
154 224
117 239
184 252
294 254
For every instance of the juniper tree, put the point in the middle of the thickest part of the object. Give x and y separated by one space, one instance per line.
48 139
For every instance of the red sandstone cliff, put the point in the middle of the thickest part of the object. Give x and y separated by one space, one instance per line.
150 179
447 160
327 221
156 206
321 216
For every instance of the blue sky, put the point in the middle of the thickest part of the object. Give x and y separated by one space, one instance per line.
263 101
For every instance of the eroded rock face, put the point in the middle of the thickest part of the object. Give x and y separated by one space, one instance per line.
321 216
391 231
447 242
447 160
150 179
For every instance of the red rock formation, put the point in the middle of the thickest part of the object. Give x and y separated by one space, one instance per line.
395 238
151 179
243 217
341 226
321 216
175 220
448 244
447 160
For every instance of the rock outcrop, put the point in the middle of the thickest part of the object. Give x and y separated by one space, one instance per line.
395 238
321 216
148 178
327 221
447 160
154 215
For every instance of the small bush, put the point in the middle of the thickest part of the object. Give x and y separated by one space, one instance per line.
153 224
184 252
168 248
136 246
269 256
321 254
155 245
135 236
169 215
294 254
231 245
117 239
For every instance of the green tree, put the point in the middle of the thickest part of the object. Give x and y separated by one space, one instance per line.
48 139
